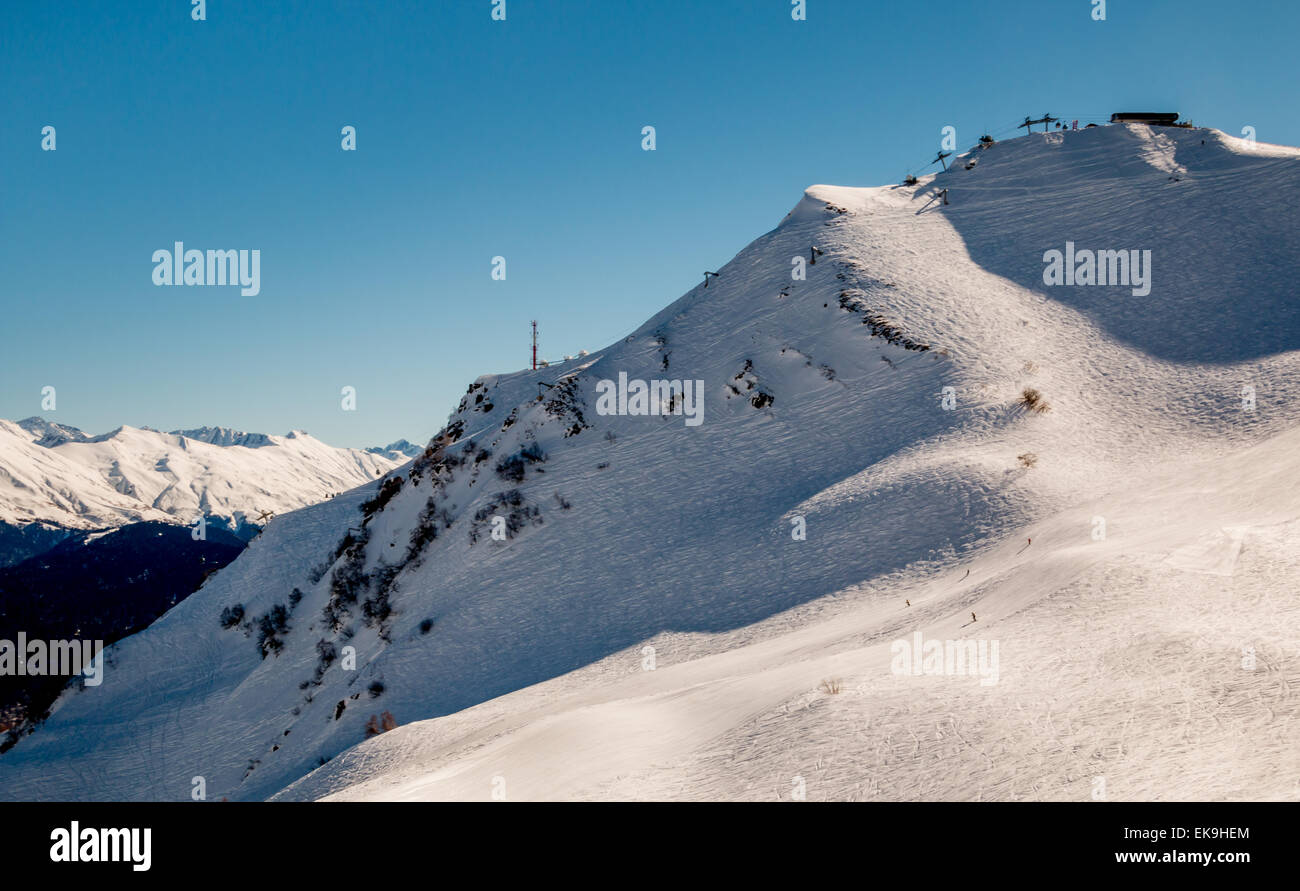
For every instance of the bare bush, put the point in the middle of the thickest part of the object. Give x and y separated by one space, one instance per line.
232 615
270 627
380 724
1034 401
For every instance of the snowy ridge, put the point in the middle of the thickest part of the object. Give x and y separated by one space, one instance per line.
824 402
53 473
399 451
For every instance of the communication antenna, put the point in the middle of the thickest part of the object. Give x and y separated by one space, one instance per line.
534 344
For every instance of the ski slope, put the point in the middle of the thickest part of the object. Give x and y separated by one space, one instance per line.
518 668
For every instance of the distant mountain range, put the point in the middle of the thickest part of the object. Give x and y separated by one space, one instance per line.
51 473
90 545
398 451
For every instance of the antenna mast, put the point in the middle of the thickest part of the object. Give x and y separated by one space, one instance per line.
534 344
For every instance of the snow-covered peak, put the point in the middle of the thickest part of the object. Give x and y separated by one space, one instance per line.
398 451
225 436
900 429
48 433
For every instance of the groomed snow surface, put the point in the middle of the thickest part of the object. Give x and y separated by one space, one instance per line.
1133 552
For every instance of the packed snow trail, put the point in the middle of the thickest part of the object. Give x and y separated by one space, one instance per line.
683 730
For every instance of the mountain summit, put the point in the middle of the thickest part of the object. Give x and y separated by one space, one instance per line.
914 438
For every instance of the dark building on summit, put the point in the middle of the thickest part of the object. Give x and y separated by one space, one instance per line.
1158 118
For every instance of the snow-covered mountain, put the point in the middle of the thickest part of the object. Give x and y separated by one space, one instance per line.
921 437
401 450
53 473
49 434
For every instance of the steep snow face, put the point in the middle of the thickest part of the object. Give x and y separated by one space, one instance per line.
53 473
867 435
1224 287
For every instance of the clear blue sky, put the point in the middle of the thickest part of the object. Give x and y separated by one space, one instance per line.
479 138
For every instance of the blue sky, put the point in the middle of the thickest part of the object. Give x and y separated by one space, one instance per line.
478 138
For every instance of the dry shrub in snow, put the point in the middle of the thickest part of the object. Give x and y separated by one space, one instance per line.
380 724
1034 401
